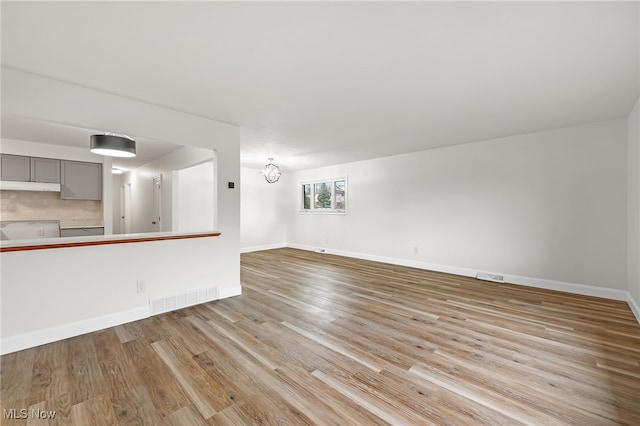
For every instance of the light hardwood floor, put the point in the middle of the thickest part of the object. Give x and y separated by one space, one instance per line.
321 339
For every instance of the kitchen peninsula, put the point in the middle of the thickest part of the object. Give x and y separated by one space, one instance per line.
53 294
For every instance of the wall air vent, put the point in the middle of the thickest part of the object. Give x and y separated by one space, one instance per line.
177 301
485 276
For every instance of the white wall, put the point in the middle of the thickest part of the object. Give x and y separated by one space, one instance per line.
264 210
633 218
51 294
61 289
193 198
548 206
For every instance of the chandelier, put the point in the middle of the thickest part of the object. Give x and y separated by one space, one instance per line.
271 172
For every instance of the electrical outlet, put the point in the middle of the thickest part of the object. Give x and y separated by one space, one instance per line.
142 286
415 250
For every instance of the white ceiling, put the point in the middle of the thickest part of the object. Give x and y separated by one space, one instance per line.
315 84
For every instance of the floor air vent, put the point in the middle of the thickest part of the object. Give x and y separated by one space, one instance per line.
490 277
178 301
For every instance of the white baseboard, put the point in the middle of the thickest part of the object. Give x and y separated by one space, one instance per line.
582 289
634 307
65 331
225 292
585 290
261 248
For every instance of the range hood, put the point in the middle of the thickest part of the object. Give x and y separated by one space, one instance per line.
10 185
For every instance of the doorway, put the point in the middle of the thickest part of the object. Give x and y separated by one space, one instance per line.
156 217
125 208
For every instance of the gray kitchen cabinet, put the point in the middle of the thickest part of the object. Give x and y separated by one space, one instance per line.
81 232
45 170
80 180
29 169
15 167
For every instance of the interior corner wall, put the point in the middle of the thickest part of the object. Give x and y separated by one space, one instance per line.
633 197
263 208
141 180
549 206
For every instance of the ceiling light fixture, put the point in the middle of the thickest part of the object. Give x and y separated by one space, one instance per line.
116 171
271 172
113 145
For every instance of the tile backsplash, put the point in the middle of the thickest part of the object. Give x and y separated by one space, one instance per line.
36 205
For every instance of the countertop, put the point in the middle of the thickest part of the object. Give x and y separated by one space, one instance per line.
94 240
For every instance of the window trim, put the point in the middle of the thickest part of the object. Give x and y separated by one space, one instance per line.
312 209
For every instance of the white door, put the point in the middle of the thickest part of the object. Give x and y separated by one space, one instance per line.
156 224
125 208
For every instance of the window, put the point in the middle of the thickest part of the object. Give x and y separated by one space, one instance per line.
324 196
306 195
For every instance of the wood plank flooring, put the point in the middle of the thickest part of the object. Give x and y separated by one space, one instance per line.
326 340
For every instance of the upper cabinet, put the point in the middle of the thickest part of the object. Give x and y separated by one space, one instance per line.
15 167
80 180
45 170
29 169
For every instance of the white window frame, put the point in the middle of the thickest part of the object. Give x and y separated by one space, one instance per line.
312 209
